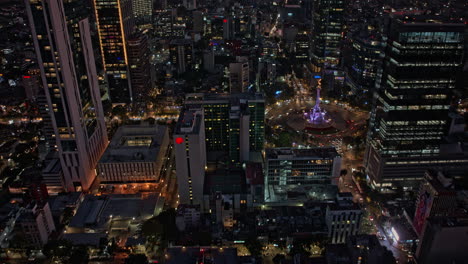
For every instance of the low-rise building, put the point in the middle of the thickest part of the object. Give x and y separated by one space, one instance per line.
188 216
343 218
136 154
310 171
36 224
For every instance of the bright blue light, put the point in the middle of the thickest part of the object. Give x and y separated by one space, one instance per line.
317 77
278 92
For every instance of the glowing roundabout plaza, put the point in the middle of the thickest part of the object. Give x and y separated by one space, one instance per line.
321 119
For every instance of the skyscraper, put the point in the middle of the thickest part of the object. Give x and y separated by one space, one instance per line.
327 26
140 68
63 44
423 58
115 23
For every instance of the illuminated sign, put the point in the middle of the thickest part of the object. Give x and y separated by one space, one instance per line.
395 234
179 140
317 77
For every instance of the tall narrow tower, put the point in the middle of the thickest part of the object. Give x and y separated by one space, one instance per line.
327 27
65 55
115 22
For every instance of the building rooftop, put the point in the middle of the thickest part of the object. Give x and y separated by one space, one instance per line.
189 122
62 201
293 153
95 211
87 239
53 166
135 143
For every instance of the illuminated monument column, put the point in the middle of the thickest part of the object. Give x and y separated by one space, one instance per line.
316 115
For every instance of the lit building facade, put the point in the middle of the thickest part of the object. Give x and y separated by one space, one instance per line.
225 122
302 47
63 44
136 154
142 10
411 105
115 22
343 218
327 27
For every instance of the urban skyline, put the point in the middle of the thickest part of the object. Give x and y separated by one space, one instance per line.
238 131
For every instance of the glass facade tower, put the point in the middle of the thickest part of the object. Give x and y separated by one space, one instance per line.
423 60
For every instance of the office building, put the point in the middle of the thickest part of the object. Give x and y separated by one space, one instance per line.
239 75
327 27
226 117
302 46
443 240
136 154
437 197
142 10
182 54
190 156
343 218
365 59
423 59
115 23
290 170
65 54
140 67
36 223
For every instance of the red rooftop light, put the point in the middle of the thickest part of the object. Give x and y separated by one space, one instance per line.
225 20
179 140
